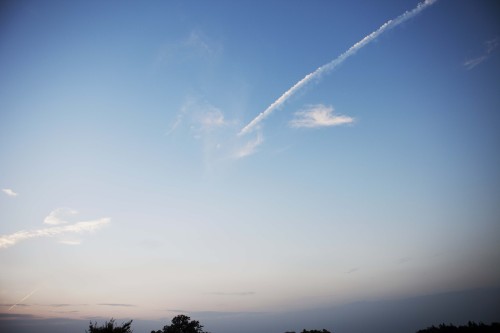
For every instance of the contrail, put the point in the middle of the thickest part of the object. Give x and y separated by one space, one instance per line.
24 298
334 63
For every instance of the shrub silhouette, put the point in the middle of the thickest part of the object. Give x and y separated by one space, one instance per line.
182 324
109 327
471 327
312 331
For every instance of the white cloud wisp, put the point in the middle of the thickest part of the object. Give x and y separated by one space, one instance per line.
84 226
333 64
10 192
57 215
212 118
318 116
249 148
490 46
200 115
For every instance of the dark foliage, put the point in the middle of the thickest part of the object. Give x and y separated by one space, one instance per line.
109 327
182 324
471 327
312 331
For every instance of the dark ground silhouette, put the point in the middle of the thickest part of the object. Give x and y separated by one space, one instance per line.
184 324
311 331
471 327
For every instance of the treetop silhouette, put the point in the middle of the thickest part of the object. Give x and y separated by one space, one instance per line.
109 327
182 324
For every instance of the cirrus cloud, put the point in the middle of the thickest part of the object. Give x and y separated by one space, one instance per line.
249 148
54 219
490 46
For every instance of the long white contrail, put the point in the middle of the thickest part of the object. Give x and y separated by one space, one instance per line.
334 63
23 299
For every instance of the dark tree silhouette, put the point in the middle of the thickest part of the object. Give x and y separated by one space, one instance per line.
471 327
182 324
312 331
109 327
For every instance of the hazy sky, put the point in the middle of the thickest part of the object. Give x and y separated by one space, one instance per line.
245 156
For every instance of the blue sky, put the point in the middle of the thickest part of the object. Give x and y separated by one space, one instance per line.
130 187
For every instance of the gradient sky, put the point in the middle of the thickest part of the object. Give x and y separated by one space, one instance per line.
128 189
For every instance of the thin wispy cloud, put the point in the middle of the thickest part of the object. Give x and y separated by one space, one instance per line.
404 260
492 44
333 64
68 311
238 293
215 133
318 116
489 46
195 46
17 305
352 270
71 242
199 41
57 216
175 123
216 314
212 118
179 118
10 192
250 147
199 115
117 305
79 227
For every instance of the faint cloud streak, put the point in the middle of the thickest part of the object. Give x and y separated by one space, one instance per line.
352 270
199 41
404 260
240 293
176 123
212 118
71 242
197 45
250 147
201 116
490 46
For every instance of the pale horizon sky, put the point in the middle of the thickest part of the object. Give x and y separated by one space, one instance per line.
245 157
